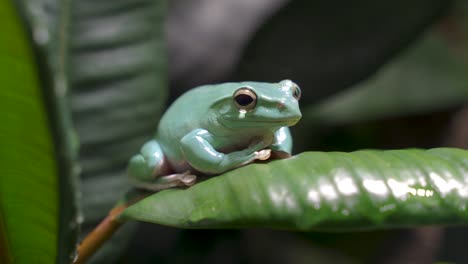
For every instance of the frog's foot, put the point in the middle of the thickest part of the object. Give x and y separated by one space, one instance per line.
263 154
168 181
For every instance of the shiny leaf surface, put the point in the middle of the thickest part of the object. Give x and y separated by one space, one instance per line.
29 200
323 191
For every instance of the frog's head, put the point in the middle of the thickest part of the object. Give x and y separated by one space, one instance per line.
255 104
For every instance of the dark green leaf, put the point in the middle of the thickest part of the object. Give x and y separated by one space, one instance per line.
118 78
323 191
327 46
118 90
428 77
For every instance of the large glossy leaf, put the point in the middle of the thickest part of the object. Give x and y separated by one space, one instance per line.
118 77
430 76
323 191
29 198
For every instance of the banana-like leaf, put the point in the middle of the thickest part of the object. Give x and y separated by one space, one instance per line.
118 79
323 191
118 90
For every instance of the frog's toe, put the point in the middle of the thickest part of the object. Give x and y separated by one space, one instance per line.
188 179
138 168
263 154
168 181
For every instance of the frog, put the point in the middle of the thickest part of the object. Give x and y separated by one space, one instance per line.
216 128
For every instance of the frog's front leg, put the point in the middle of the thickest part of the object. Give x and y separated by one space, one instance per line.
148 170
201 155
282 143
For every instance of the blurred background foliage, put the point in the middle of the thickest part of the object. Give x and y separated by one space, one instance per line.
374 74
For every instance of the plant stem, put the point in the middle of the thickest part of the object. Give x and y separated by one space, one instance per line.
108 226
94 240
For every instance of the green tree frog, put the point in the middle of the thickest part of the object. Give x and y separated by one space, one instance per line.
212 129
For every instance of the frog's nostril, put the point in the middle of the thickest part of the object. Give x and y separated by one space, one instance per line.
280 105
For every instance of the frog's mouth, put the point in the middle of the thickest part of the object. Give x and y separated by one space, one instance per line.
261 122
278 121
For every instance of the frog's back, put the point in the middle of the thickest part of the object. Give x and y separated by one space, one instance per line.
187 112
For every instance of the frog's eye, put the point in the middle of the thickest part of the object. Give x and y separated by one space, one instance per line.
296 92
245 98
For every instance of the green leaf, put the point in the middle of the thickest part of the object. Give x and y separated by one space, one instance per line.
118 78
29 200
48 24
118 73
323 191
